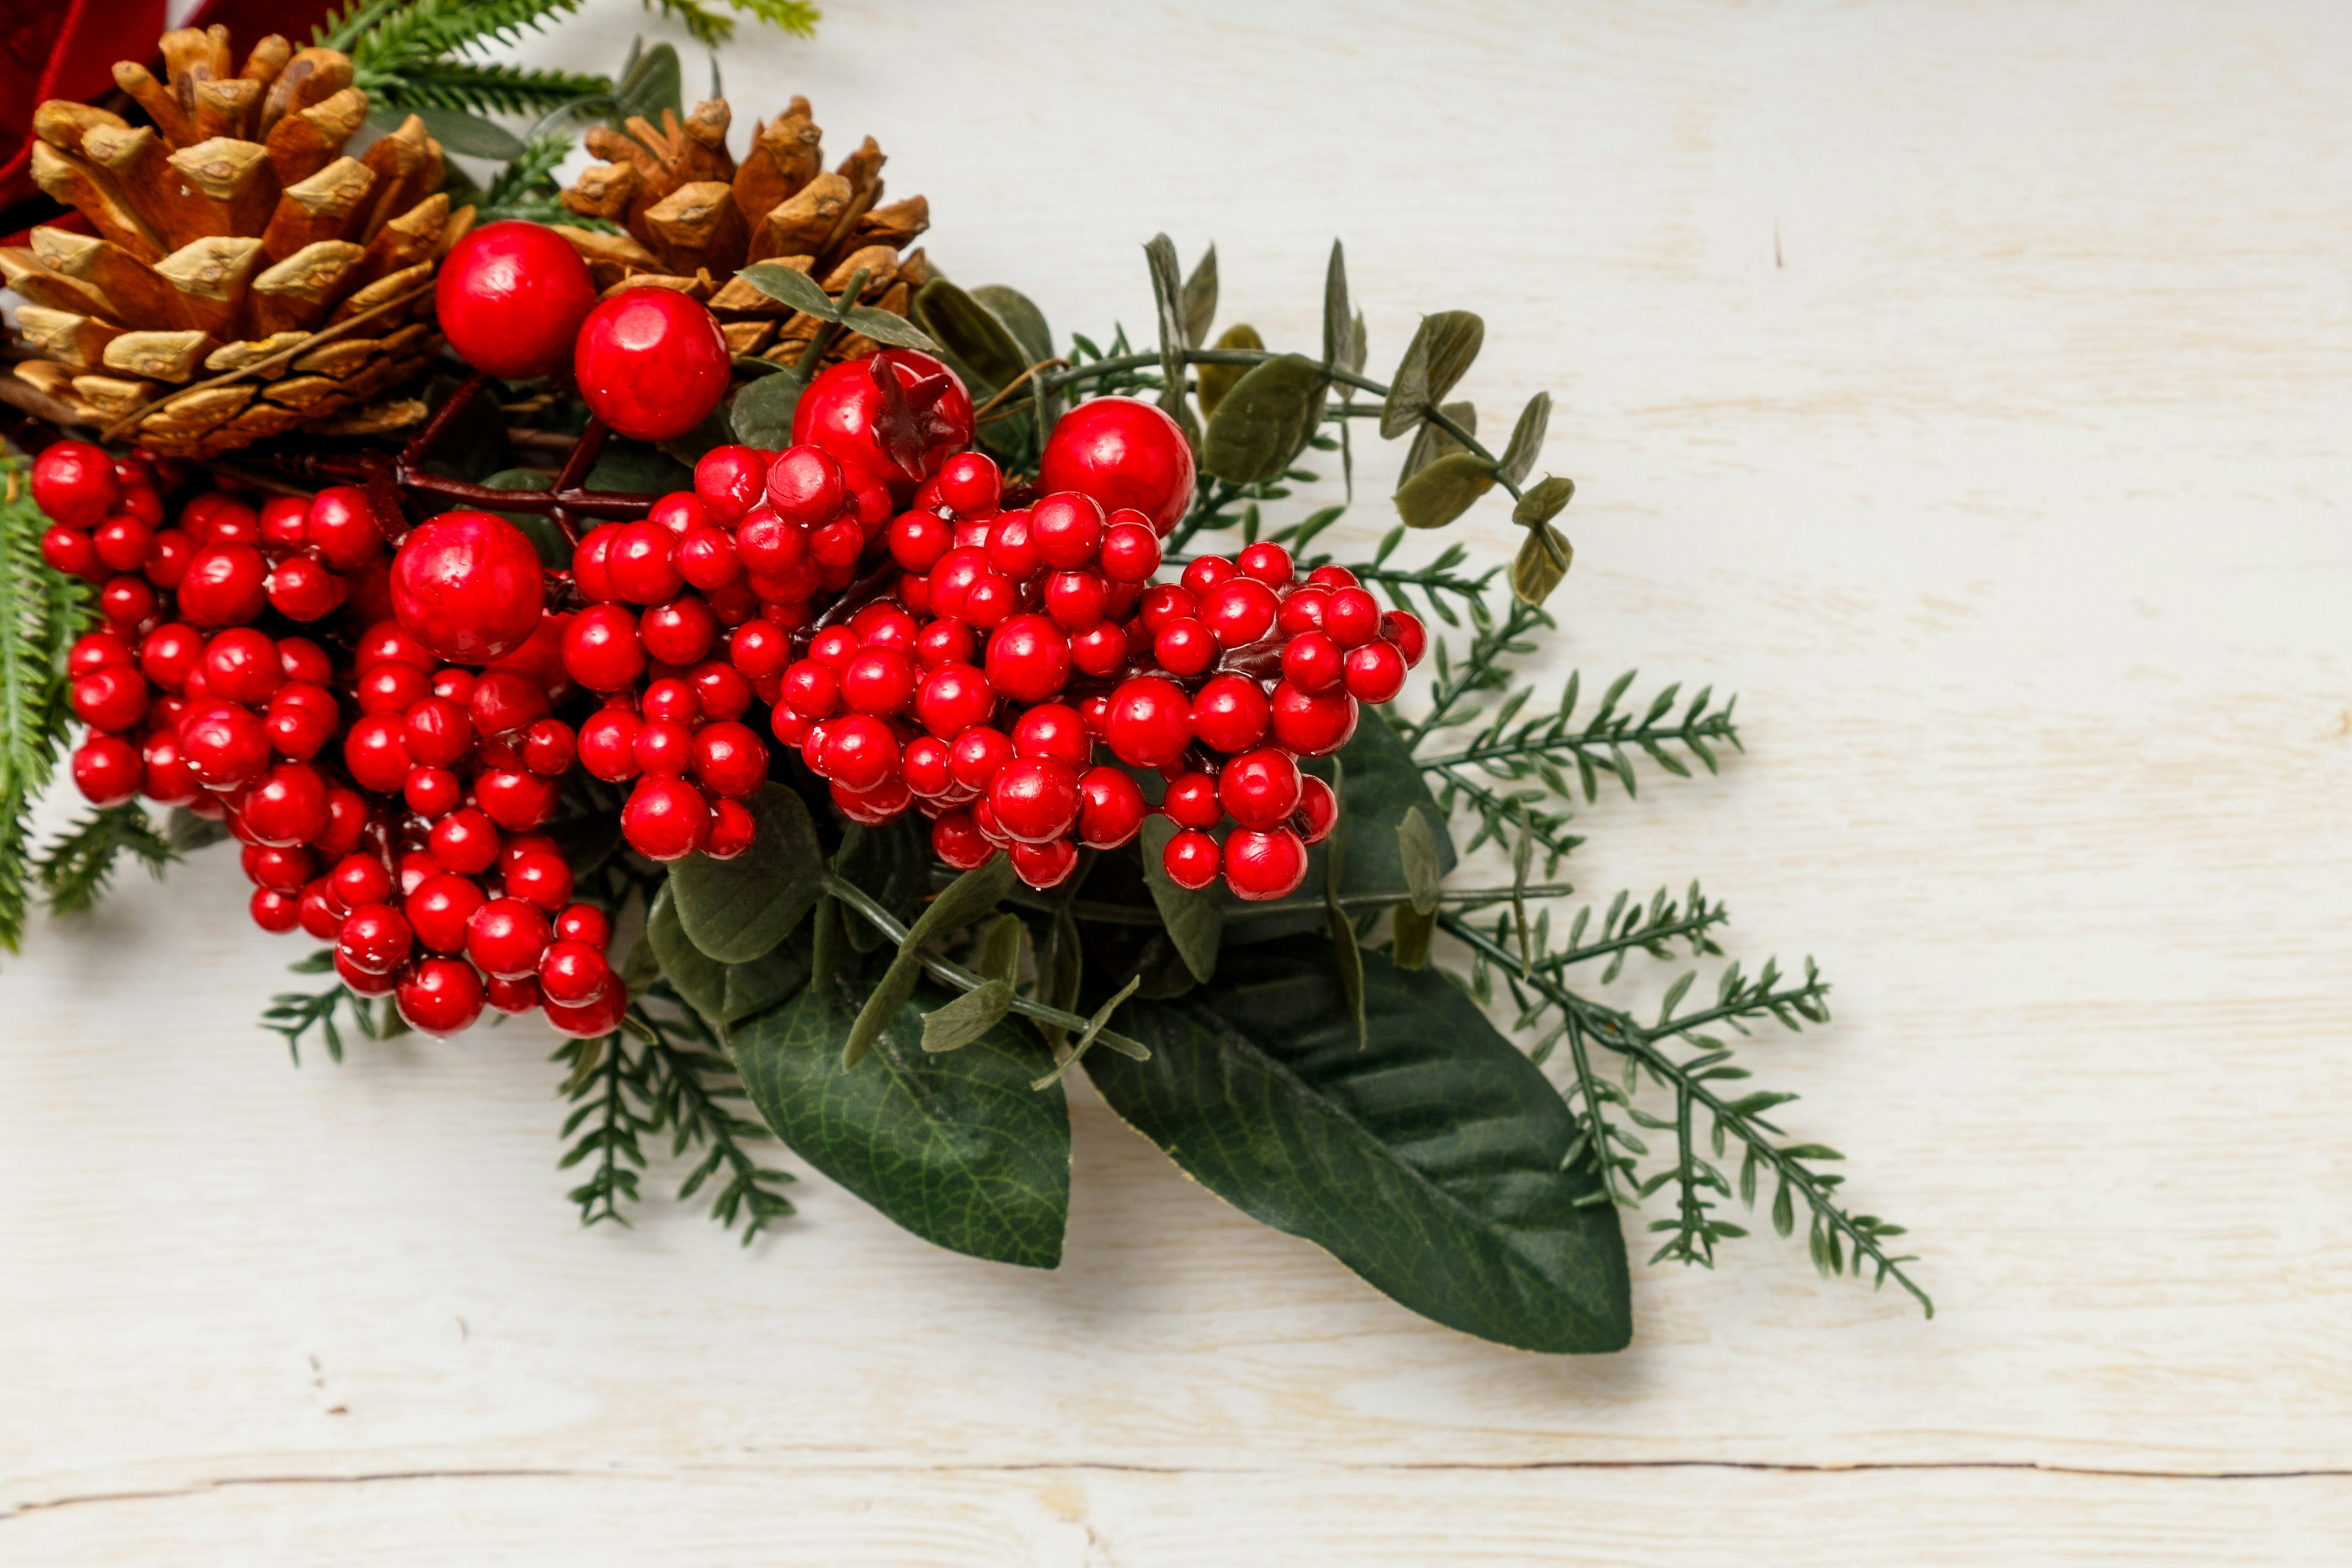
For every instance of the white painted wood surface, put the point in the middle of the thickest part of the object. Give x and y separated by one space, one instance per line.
1963 384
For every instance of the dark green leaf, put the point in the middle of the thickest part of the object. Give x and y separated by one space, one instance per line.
649 85
1213 382
1338 326
1199 299
1440 351
1000 950
722 993
737 910
640 467
1417 851
1526 438
892 863
762 411
959 904
1542 502
1021 317
968 1017
790 286
1542 562
972 335
956 1147
1435 441
1167 300
1427 1161
1193 918
885 328
1265 421
458 131
1411 934
1444 491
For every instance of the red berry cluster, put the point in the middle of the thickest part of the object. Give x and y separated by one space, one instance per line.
1018 641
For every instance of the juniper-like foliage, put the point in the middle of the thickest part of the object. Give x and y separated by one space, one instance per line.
41 613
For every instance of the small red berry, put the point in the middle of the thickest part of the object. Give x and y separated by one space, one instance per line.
541 876
956 840
275 911
878 680
343 529
287 807
375 752
550 748
1260 789
918 540
1375 671
225 746
884 803
1046 865
707 558
927 765
167 558
732 829
443 997
811 688
1185 647
1404 628
978 754
943 643
107 770
431 791
121 542
511 996
970 484
601 648
681 632
111 697
225 585
860 752
1076 600
664 748
1191 859
1265 562
1165 603
437 733
510 297
1100 649
74 484
506 937
1263 866
517 802
1206 574
466 842
572 973
69 551
585 922
1240 611
1053 729
302 590
502 702
596 1020
1192 801
730 761
1229 713
1067 529
1150 722
359 880
468 585
1110 808
806 486
1302 611
1035 798
1351 617
642 564
1319 809
651 363
730 480
1028 658
759 649
439 909
1312 723
375 938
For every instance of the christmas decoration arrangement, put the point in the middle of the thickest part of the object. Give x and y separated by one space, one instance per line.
670 611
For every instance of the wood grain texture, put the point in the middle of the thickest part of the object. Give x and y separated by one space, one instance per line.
1964 385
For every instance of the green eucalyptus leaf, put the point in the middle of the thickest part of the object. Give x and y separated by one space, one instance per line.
1444 491
1265 421
1412 932
892 863
959 904
968 1017
1199 302
638 466
737 910
790 286
1194 923
1000 950
1021 317
1542 502
1213 382
1338 326
1417 850
955 1147
1168 301
1440 351
1527 438
1435 441
1427 1161
972 335
761 412
722 993
649 83
1542 562
885 328
458 131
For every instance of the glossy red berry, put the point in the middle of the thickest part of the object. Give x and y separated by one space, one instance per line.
1229 713
1191 800
918 540
729 480
882 803
1312 662
550 748
466 841
1260 789
506 937
301 590
1035 799
111 697
74 484
601 648
957 840
729 760
1150 722
841 412
759 650
69 551
442 997
1046 865
585 922
970 484
642 564
541 876
121 544
273 911
596 1020
516 801
224 746
878 680
680 632
732 829
375 938
1319 809
572 973
1351 617
107 770
860 752
437 733
469 586
510 297
1028 658
1404 628
664 748
1240 610
343 529
978 754
806 486
1121 452
1191 859
226 585
440 908
289 805
432 792
359 880
1185 647
1263 866
651 363
375 752
1110 808
665 818
1375 672
1312 723
511 996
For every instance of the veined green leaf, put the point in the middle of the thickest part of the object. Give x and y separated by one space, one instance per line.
954 1146
1542 502
972 335
1526 438
1417 850
1435 441
968 1017
1444 491
761 412
1542 565
1167 298
1428 1161
792 287
1339 327
737 910
1021 317
722 993
885 328
1200 299
1265 421
1440 351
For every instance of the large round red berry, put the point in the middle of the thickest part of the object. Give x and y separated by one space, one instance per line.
74 484
1121 453
651 363
443 996
510 297
468 585
1260 866
1150 722
850 413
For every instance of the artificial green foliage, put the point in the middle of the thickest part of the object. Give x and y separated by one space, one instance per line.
412 53
76 866
41 613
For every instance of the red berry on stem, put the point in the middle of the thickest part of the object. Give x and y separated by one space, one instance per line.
1035 798
443 997
1261 866
1046 865
439 909
978 755
517 802
1318 808
69 551
1351 617
927 765
1312 723
1067 530
729 480
225 585
511 996
1404 628
1191 859
886 440
1150 722
1053 729
224 746
1191 800
957 841
510 297
1185 647
1121 452
469 586
111 697
376 938
1260 789
1229 713
732 829
860 752
273 911
121 544
1376 672
596 1020
729 760
1028 658
572 973
506 937
1240 611
74 484
431 791
680 632
466 842
970 484
541 876
343 529
376 752
664 748
1110 808
585 923
806 486
666 820
601 648
651 363
359 880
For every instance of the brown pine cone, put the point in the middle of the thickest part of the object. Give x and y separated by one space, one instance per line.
228 236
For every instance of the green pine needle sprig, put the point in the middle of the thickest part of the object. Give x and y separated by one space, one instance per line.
41 613
76 868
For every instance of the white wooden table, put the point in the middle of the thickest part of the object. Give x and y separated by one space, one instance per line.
1966 385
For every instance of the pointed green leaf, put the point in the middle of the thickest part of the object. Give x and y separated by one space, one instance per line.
892 863
1526 438
761 412
968 1017
1440 351
956 1147
1167 298
1193 917
1000 950
737 910
1542 502
1265 421
1338 325
885 328
1021 317
1198 303
792 287
650 83
1213 382
458 131
1098 1030
1542 562
721 992
1444 491
962 901
1417 849
1436 441
1427 1161
972 335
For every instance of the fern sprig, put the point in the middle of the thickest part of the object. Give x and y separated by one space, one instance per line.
604 1079
41 613
694 1096
711 27
408 54
294 1013
75 869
